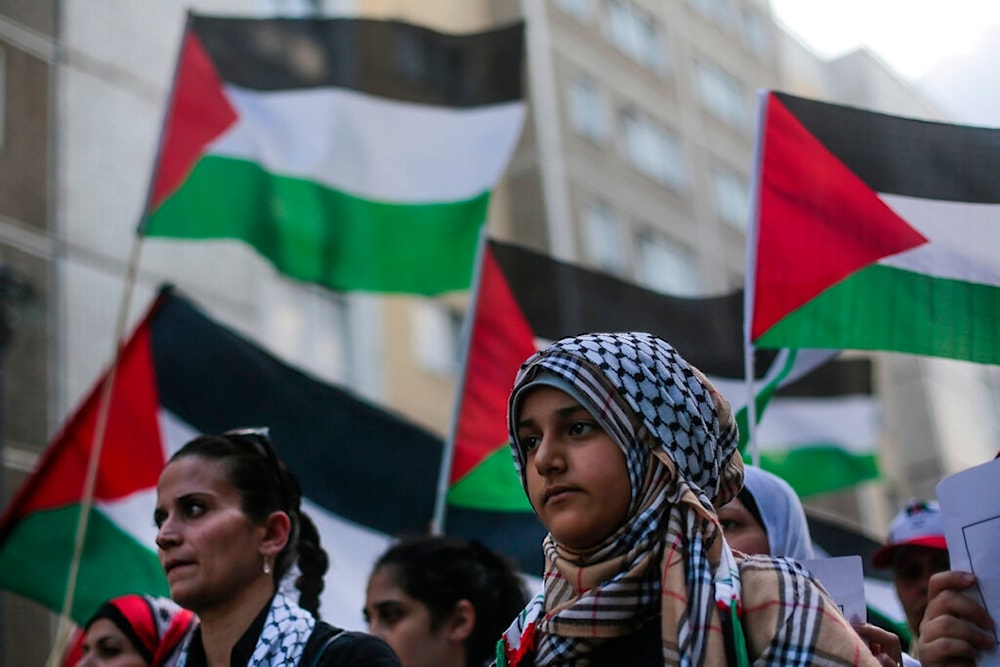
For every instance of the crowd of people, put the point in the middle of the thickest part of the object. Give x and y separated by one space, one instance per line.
663 548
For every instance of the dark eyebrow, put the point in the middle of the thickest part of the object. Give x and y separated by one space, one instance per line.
564 412
387 604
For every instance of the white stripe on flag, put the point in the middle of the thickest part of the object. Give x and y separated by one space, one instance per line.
134 515
374 148
353 551
963 239
849 422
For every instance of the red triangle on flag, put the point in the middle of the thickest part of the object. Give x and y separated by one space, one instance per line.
818 221
199 112
132 455
501 340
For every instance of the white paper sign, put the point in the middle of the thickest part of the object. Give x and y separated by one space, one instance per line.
970 510
843 578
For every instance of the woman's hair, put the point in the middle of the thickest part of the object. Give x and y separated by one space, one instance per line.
441 571
266 485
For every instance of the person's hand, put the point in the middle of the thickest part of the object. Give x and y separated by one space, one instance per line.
883 644
955 627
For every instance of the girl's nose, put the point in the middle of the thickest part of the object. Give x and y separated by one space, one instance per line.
548 456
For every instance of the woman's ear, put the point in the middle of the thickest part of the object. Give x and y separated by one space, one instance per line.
461 622
277 528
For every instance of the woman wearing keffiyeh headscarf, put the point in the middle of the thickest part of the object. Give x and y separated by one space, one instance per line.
230 527
624 451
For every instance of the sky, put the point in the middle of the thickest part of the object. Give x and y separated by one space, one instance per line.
909 35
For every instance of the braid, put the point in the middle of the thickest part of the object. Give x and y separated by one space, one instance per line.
313 563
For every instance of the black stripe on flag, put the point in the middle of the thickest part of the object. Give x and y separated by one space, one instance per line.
838 378
387 59
905 156
707 331
517 535
354 459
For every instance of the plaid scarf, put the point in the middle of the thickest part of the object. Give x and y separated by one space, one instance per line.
669 559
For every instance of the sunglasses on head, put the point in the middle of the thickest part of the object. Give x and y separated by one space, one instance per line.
259 439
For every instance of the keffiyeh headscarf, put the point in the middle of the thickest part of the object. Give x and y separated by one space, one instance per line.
680 441
158 627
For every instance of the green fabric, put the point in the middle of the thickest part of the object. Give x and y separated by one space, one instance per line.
884 308
491 485
821 468
319 235
35 561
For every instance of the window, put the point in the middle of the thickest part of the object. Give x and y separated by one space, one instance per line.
637 35
723 95
718 11
653 149
581 10
754 32
437 335
588 113
666 265
309 327
604 237
731 196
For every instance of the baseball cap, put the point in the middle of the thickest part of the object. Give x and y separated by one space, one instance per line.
918 524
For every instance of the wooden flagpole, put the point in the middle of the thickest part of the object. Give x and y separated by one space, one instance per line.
448 454
107 389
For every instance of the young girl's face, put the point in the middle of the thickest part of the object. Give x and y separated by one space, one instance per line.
405 623
576 475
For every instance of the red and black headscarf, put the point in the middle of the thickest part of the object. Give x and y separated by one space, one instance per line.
156 626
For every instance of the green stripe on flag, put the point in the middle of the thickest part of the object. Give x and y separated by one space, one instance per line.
491 485
913 313
113 562
316 234
820 468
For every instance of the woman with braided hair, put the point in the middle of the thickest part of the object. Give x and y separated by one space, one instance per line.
230 527
624 451
441 601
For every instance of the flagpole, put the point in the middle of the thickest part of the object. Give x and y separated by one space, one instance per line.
751 270
107 389
96 447
448 454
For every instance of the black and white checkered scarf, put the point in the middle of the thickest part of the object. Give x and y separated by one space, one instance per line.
283 639
680 445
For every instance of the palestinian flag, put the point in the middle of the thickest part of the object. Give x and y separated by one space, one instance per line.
820 432
875 232
525 298
353 153
366 475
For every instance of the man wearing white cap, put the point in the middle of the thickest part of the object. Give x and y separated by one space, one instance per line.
916 550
